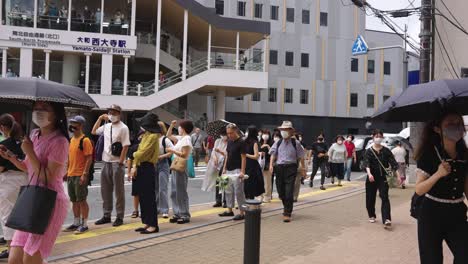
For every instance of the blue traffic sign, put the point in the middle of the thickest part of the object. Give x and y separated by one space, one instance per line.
360 46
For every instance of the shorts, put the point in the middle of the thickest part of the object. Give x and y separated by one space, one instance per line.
76 191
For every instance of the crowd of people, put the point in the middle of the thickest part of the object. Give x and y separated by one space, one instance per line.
240 166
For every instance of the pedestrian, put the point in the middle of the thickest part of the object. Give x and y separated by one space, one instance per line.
116 144
265 146
299 178
11 177
182 149
136 199
46 150
234 167
319 152
80 159
337 156
144 170
197 143
375 158
163 172
442 181
214 168
288 154
253 186
350 156
208 146
399 152
276 137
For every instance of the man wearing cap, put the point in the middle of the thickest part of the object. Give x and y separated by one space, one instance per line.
80 156
287 153
116 143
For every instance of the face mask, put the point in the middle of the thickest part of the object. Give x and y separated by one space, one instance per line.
285 134
246 134
113 118
350 139
339 142
259 138
180 130
453 133
265 137
41 118
72 129
224 138
276 139
378 141
300 138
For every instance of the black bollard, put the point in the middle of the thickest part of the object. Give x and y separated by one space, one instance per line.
252 232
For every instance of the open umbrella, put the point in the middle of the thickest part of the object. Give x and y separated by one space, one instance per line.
214 128
29 90
426 101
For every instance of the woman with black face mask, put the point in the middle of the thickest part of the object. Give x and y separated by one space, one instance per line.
442 180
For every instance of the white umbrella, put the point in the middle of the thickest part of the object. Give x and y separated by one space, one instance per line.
405 133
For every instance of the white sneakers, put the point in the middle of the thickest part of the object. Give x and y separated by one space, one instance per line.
372 220
388 224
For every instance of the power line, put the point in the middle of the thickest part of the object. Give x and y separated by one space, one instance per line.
450 12
446 52
451 22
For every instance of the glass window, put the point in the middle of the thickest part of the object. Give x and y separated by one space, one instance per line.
18 13
256 96
304 96
385 98
305 17
239 98
370 101
272 95
219 7
289 58
305 60
386 68
240 8
86 16
53 15
258 10
257 56
274 57
370 66
323 19
117 14
354 65
274 10
290 15
288 96
354 100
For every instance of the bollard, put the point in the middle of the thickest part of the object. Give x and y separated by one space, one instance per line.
252 232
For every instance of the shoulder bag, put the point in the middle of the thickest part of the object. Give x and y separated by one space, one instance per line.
390 174
178 164
116 147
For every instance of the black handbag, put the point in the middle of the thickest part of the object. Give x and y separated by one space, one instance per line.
33 208
116 147
416 202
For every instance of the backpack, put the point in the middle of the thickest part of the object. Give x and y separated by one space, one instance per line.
164 147
91 167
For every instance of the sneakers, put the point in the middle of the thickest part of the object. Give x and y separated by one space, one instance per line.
286 219
104 220
388 224
117 222
322 188
135 214
238 217
71 228
165 216
217 205
372 220
81 230
226 214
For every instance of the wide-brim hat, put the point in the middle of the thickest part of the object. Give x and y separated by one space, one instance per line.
286 125
149 122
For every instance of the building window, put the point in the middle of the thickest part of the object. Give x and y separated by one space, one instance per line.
258 10
305 60
288 96
256 96
386 68
219 7
370 66
274 57
274 11
272 95
257 56
305 17
354 65
353 100
239 98
323 19
304 96
241 8
289 58
385 98
370 101
290 15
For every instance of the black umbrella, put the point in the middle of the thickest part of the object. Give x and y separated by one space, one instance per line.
29 90
214 128
424 102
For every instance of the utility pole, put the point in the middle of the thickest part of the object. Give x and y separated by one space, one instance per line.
426 36
405 61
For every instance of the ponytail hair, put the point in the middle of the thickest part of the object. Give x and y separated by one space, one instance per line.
8 121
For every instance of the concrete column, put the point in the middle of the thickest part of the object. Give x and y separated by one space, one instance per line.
47 64
106 74
69 15
88 58
71 69
125 82
266 53
184 52
26 62
4 62
158 47
35 14
102 14
209 47
220 104
237 51
132 29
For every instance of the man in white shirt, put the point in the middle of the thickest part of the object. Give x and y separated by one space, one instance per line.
116 143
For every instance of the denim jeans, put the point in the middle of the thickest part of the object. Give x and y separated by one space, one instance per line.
348 166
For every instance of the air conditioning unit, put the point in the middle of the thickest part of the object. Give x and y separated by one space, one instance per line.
464 73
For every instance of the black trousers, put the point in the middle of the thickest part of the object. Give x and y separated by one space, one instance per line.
146 175
438 222
322 164
285 179
371 194
337 170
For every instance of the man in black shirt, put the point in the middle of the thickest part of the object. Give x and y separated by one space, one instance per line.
320 155
234 166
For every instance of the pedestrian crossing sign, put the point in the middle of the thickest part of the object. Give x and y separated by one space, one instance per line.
360 46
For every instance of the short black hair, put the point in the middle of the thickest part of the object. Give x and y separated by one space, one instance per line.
187 125
338 137
352 137
377 132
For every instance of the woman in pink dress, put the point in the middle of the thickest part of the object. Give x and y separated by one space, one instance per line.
47 148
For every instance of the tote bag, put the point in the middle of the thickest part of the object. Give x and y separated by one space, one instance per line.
33 208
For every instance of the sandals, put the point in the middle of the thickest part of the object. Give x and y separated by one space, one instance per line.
135 214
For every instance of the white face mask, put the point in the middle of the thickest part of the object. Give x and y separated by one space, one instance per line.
180 130
41 118
378 141
300 138
276 139
350 139
339 142
265 137
285 134
113 118
224 138
246 134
